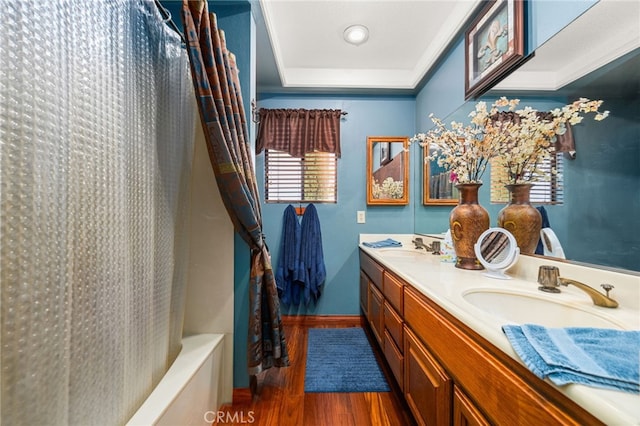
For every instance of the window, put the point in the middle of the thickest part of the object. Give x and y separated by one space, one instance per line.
549 192
292 179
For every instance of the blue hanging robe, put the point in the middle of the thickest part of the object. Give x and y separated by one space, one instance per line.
545 224
311 255
289 274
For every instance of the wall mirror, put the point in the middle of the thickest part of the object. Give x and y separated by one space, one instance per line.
387 170
437 188
606 163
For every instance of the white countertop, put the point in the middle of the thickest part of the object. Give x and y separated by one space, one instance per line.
445 285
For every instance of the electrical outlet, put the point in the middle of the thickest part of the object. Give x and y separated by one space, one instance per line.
360 217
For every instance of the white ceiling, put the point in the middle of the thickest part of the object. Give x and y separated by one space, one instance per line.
300 45
406 37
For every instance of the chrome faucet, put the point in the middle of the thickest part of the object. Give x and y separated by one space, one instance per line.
550 279
434 248
419 243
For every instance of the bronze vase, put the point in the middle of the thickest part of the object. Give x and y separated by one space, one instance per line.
467 221
520 218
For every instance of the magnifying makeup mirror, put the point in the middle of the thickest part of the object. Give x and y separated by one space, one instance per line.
497 251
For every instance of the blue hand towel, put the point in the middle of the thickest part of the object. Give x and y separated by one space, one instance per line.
595 357
383 243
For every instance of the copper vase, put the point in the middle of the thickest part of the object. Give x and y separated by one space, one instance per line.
520 218
467 221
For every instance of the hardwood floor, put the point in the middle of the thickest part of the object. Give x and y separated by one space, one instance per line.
282 401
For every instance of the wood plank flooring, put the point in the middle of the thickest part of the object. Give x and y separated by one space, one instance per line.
281 400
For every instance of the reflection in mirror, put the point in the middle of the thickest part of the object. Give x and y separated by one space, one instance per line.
437 187
550 244
601 228
497 251
387 170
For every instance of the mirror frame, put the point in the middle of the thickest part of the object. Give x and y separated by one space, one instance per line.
371 140
427 199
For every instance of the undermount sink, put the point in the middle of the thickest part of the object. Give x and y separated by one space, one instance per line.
522 308
401 252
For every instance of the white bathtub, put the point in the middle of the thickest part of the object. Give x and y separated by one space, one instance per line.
190 389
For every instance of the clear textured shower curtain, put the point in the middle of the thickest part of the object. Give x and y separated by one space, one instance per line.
96 122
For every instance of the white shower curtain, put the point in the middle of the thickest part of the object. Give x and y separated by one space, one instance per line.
96 122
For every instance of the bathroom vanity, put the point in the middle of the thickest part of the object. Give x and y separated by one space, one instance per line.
439 329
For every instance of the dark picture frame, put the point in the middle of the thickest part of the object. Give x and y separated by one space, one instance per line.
493 45
385 153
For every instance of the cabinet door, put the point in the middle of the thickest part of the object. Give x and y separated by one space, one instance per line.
364 294
395 359
465 413
427 387
375 313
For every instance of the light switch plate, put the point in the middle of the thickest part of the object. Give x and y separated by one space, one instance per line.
361 217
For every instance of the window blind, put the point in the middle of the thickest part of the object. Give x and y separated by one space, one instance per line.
548 192
292 179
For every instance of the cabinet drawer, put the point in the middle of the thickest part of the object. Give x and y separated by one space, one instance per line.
372 269
394 359
393 324
393 291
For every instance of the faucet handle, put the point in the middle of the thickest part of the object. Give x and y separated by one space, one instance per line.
548 277
607 288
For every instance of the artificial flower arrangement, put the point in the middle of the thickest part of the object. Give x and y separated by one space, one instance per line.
519 139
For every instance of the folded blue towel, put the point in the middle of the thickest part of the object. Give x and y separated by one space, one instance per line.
384 243
595 357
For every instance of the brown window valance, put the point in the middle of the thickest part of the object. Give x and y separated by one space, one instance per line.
299 131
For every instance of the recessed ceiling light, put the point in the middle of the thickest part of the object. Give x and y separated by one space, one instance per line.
356 34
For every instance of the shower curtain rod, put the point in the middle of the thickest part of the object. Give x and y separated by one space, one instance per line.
166 15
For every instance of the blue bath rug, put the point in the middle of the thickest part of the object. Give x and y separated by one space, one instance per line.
341 360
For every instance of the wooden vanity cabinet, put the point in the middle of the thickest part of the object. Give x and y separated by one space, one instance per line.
448 373
503 390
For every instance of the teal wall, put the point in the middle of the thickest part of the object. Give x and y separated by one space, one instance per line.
367 116
597 224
